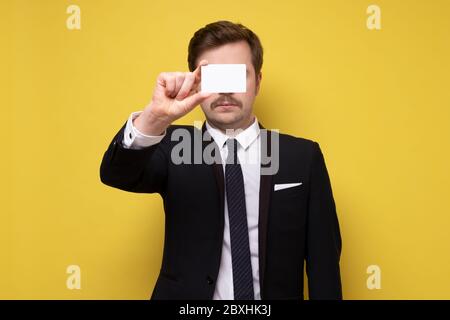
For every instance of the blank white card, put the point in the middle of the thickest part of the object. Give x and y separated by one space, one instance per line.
224 78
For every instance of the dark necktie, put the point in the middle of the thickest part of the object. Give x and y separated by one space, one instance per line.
237 213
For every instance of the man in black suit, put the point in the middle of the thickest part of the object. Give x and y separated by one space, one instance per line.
243 225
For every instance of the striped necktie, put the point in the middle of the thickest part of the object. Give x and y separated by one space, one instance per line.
237 213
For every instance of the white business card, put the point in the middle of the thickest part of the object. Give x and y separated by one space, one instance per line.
224 78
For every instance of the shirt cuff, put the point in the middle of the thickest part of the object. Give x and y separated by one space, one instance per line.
134 139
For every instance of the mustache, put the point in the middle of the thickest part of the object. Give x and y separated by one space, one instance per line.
225 100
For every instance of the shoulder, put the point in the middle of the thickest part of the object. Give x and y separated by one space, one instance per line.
298 150
297 144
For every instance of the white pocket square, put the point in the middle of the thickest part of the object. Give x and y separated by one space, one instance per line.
282 186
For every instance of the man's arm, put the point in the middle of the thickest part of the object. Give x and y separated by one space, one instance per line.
134 139
323 235
136 160
128 166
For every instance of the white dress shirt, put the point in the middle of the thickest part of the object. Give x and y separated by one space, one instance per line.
249 144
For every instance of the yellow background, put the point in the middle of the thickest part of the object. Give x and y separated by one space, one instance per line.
377 102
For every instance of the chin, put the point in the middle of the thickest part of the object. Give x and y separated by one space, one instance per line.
225 118
228 118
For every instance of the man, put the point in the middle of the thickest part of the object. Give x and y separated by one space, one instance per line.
231 232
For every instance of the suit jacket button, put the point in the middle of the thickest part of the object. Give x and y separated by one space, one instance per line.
209 280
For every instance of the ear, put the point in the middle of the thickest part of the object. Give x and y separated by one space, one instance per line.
258 83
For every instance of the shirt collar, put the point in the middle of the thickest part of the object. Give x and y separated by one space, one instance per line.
245 138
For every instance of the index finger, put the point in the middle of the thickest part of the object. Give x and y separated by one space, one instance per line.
197 71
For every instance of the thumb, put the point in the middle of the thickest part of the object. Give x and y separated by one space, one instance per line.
195 99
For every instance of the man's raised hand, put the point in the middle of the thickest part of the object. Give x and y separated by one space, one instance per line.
175 94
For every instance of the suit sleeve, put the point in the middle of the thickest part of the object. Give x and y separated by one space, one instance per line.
142 171
323 235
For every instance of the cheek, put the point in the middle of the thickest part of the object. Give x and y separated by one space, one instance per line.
246 99
251 86
249 95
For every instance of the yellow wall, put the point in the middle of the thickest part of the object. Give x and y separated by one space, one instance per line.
377 101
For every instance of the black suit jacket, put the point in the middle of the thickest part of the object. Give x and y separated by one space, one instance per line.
296 225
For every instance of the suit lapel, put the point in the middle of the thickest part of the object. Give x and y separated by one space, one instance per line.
218 173
265 192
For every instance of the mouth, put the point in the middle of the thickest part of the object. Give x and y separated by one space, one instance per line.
226 106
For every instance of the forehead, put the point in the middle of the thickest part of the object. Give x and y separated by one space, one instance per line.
235 52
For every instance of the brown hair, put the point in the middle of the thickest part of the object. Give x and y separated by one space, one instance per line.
222 32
